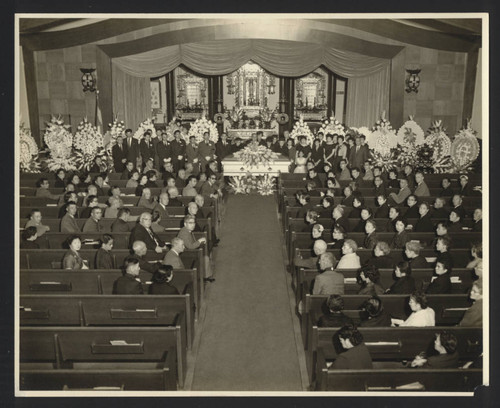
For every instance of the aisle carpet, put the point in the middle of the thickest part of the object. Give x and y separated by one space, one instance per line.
248 343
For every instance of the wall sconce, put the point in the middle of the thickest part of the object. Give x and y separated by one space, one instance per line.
271 88
88 80
412 80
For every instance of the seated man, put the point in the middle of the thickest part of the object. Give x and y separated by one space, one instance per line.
402 195
382 256
319 248
477 216
334 317
129 283
412 211
93 223
143 232
356 355
447 190
68 222
442 247
329 281
349 260
424 223
441 282
173 257
412 252
473 317
455 224
340 219
121 222
36 221
439 212
140 250
43 190
190 189
421 190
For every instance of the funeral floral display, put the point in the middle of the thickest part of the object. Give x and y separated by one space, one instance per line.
28 151
383 137
59 141
438 140
117 128
410 134
200 126
143 128
301 128
255 155
465 147
265 184
88 144
332 126
363 130
172 127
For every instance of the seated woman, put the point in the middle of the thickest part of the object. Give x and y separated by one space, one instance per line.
146 200
404 283
373 314
441 282
114 207
401 237
311 188
421 316
326 207
155 224
349 260
133 180
311 219
103 257
162 282
477 261
141 185
28 238
355 355
369 279
371 238
366 214
473 317
339 235
393 181
60 179
445 345
334 316
72 258
394 215
317 232
332 183
357 206
442 248
382 258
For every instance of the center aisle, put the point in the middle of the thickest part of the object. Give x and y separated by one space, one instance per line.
248 341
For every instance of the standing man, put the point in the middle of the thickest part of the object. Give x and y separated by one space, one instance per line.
178 151
222 149
206 151
147 149
192 155
164 150
119 153
132 146
358 155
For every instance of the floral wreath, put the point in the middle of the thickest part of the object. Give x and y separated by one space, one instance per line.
58 138
300 128
438 140
410 134
143 128
199 127
465 148
282 118
117 128
28 151
383 138
332 126
88 143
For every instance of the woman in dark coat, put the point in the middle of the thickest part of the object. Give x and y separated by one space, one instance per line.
162 279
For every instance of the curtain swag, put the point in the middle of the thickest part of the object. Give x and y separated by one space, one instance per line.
221 57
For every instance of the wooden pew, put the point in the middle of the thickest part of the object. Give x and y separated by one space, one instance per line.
109 348
99 282
401 379
49 259
108 310
461 257
449 309
394 344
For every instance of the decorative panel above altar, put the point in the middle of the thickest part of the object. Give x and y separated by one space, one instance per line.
311 96
191 94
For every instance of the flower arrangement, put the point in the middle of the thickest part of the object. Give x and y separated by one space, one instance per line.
300 128
59 141
88 143
410 134
383 138
28 151
363 130
143 127
385 161
242 184
172 127
438 140
465 147
265 185
117 128
201 126
332 126
254 155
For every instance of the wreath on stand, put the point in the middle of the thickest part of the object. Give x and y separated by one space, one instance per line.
28 151
59 141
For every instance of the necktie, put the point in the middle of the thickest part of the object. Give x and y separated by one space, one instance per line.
152 236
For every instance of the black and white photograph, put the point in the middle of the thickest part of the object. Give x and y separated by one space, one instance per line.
251 204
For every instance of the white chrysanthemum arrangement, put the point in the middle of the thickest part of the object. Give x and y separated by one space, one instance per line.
332 126
301 128
200 126
59 141
143 128
28 151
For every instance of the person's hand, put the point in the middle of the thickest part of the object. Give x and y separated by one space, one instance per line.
396 322
179 157
418 361
158 249
195 160
124 160
202 240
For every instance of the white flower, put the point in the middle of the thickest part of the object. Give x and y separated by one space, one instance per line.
143 127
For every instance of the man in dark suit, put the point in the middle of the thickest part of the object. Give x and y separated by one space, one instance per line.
206 151
424 223
477 216
143 232
222 148
119 153
358 154
129 283
164 150
128 170
439 212
356 355
178 151
340 219
447 190
379 186
147 149
132 146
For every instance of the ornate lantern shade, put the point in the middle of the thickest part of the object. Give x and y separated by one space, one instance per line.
412 80
88 80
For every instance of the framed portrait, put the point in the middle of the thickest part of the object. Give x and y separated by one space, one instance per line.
155 94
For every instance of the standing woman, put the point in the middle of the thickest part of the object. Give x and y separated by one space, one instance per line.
317 154
72 259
